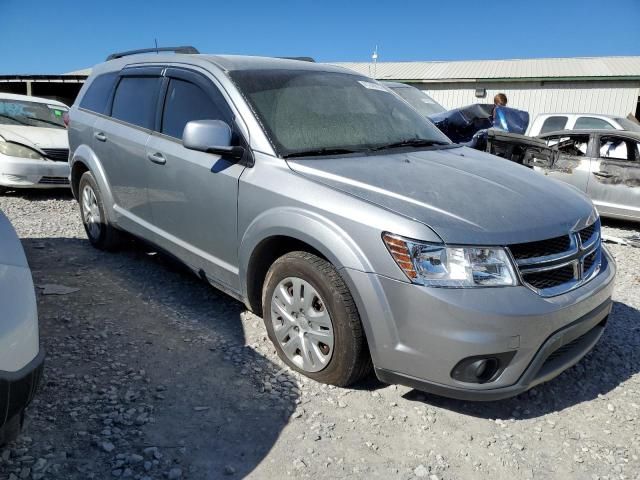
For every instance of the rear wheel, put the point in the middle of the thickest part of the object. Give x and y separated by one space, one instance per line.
312 320
100 233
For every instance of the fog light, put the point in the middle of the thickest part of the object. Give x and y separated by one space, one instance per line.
481 368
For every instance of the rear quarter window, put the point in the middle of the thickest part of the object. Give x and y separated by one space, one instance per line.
98 93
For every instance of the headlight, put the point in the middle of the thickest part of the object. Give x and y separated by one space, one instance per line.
16 150
437 265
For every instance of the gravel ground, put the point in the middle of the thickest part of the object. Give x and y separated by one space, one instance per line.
150 373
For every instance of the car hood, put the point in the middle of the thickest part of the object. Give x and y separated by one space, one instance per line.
39 137
465 196
11 252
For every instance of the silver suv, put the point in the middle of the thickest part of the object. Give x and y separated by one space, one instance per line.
343 217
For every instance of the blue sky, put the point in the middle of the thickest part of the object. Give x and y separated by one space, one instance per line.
58 36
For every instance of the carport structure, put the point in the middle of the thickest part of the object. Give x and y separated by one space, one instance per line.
63 88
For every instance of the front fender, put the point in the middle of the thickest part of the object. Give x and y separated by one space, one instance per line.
86 156
309 227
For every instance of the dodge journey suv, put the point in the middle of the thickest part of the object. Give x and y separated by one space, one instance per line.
353 226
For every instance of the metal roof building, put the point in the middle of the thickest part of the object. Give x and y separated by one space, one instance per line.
609 85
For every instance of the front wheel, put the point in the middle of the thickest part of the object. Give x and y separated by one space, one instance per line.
312 320
101 234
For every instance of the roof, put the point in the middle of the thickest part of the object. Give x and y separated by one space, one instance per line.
27 98
226 62
534 68
589 131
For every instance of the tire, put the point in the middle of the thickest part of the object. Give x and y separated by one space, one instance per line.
94 219
327 313
11 430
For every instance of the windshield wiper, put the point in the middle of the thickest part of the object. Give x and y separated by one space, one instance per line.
321 151
410 142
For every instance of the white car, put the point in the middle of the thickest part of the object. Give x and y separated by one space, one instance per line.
21 359
34 147
554 122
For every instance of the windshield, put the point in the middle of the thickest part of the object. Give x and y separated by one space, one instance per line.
419 100
628 125
307 112
31 114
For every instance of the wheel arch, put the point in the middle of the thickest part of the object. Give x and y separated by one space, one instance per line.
277 232
85 160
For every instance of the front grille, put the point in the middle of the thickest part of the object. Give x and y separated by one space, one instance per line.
57 154
542 248
54 181
556 265
551 278
590 260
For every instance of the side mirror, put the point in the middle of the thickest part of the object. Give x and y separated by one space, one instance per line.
210 136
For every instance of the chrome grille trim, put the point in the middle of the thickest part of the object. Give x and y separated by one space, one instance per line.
585 258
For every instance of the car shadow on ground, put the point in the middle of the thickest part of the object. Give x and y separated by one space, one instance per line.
188 338
613 360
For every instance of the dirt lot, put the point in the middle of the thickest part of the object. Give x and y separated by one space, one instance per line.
150 373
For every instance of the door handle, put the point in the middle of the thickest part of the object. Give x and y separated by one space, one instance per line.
100 136
603 174
157 158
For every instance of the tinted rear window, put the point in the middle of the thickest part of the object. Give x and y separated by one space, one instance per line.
588 123
97 95
553 124
135 100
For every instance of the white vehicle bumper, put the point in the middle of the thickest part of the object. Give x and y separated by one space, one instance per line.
18 172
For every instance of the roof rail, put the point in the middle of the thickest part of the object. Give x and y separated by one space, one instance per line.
183 49
302 59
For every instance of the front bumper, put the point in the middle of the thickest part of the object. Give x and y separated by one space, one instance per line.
27 173
17 389
417 335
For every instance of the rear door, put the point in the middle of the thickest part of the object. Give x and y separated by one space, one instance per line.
614 185
193 195
573 162
120 141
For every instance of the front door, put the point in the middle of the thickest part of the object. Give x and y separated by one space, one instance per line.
614 185
121 140
193 195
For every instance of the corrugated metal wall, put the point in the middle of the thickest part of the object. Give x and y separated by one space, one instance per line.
612 98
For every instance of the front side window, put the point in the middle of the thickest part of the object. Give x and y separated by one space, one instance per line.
588 123
616 148
31 114
553 124
185 102
308 112
574 145
135 100
98 93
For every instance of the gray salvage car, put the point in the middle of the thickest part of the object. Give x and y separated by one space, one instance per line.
604 164
359 232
